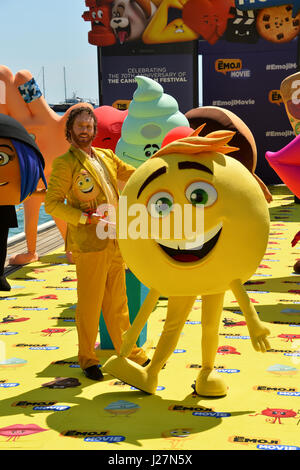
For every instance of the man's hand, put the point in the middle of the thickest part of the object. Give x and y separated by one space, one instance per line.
95 219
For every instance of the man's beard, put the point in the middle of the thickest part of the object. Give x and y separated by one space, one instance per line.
82 142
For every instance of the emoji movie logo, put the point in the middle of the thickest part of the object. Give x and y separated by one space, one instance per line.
252 440
275 97
227 65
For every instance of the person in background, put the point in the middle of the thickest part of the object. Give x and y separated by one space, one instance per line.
87 178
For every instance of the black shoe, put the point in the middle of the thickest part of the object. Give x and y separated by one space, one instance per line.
297 267
93 373
146 363
4 284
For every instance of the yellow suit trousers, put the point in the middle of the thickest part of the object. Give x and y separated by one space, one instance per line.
101 285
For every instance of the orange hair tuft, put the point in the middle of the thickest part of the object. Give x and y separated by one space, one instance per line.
216 141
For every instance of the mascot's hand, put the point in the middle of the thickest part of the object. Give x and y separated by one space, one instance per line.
295 239
258 334
25 102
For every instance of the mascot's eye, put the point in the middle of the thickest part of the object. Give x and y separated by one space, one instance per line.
100 14
180 433
80 183
87 179
160 204
4 158
94 15
201 193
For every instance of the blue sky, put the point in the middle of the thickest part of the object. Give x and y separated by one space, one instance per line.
50 34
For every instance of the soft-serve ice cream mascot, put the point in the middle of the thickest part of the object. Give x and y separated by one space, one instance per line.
195 172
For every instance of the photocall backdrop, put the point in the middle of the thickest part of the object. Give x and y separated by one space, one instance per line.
246 79
247 47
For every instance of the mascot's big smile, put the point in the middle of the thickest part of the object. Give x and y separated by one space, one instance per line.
88 190
189 252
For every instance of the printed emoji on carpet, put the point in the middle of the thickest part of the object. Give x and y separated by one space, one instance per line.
48 404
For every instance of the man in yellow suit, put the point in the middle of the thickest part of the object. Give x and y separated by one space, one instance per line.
82 180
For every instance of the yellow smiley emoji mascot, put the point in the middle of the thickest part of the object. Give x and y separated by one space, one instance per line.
193 175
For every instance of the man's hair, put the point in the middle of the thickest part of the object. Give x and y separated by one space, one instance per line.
73 115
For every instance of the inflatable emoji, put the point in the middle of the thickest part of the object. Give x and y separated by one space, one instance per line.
21 168
208 18
191 180
286 163
290 93
162 30
177 133
99 14
151 115
25 103
109 124
216 118
130 18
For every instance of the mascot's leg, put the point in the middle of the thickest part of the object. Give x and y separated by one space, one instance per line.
178 311
208 383
146 378
31 217
130 336
4 285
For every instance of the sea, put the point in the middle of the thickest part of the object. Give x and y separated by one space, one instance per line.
43 218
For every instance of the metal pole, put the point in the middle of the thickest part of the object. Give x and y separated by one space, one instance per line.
195 75
44 90
99 57
65 83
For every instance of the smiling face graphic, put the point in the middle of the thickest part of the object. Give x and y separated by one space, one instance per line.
226 246
10 176
85 187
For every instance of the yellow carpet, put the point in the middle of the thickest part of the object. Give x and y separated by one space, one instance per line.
47 403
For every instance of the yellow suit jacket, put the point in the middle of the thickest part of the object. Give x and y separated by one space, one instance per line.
64 198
